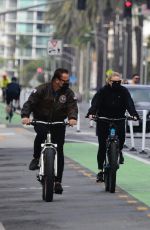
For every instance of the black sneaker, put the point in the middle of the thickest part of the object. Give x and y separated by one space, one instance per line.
121 159
58 188
100 177
34 164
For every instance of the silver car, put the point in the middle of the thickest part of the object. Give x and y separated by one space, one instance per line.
141 97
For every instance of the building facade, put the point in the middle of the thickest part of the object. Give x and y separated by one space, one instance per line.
24 33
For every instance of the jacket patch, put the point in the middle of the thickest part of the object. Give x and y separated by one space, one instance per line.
62 99
34 91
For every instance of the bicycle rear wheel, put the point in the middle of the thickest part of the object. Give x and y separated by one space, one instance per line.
114 151
48 180
106 179
10 112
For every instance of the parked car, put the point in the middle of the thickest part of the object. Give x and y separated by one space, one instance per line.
141 97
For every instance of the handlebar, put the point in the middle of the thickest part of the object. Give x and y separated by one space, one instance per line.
95 118
34 122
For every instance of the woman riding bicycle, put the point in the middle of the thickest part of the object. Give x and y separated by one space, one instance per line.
111 101
52 101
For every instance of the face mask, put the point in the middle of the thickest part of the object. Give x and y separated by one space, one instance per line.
65 86
116 85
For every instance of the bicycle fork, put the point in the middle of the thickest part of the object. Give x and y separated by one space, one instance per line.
41 171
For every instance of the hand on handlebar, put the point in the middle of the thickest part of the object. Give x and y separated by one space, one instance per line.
90 116
72 122
135 118
26 121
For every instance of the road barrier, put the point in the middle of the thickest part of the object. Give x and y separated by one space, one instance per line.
144 119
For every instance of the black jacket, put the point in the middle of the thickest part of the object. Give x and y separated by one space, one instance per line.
47 105
112 103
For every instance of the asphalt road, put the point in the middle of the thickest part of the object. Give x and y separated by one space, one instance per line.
83 205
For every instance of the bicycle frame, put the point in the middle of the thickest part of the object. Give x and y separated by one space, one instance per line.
48 162
48 144
111 162
112 137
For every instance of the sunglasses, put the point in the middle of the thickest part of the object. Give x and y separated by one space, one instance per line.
117 82
64 81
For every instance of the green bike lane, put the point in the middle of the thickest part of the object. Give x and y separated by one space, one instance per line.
133 176
15 120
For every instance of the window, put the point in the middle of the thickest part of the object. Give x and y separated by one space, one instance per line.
43 28
25 3
12 3
41 52
140 95
25 52
12 16
42 40
40 16
24 28
25 16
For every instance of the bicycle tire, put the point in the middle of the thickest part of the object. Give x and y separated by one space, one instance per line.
11 112
106 179
10 116
114 152
48 180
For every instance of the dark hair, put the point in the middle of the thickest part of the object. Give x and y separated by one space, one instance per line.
58 73
14 79
135 74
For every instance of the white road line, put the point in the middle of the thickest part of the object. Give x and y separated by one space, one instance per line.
1 226
38 188
129 155
7 134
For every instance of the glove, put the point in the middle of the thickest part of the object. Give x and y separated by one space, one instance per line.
135 118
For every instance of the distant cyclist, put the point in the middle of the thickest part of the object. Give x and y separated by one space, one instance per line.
12 93
111 101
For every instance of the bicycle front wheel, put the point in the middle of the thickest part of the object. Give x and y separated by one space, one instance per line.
114 151
48 182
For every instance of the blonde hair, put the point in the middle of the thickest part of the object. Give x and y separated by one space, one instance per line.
113 74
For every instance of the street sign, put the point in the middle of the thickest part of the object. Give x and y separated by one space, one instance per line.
55 47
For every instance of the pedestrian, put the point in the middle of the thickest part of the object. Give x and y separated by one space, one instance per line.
4 82
135 79
111 101
52 101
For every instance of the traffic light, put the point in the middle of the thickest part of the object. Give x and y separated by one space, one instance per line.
81 4
128 8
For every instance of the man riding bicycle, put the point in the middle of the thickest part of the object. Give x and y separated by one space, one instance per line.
52 101
111 101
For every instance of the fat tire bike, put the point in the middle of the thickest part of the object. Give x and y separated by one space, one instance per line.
111 162
47 162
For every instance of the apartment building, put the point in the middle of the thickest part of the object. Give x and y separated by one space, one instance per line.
24 33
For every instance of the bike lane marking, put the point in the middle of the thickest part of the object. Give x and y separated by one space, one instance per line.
128 177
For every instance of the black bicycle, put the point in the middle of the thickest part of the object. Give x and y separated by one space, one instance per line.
111 162
10 109
48 162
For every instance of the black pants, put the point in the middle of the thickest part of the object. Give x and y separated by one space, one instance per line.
57 137
102 133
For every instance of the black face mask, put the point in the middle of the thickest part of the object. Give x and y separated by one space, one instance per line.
116 85
65 86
